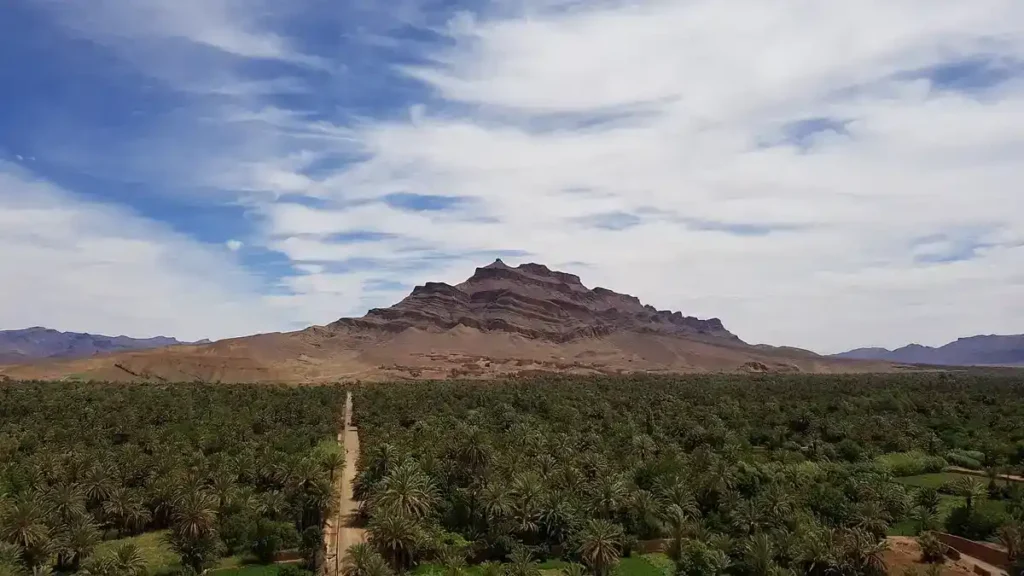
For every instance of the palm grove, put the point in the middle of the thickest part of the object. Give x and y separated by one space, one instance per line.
221 470
732 475
735 475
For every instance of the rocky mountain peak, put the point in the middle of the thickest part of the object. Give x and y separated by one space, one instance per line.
534 301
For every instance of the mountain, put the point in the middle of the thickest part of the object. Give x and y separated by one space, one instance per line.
973 351
36 343
533 301
500 321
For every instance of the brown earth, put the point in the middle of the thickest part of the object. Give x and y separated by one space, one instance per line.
501 321
904 555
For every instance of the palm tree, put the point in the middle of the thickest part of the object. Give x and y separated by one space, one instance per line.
520 563
497 501
77 543
746 516
491 568
573 569
611 490
332 461
395 537
362 560
10 560
871 517
126 510
193 532
759 555
972 490
406 491
865 552
224 488
601 545
453 560
129 561
928 498
97 485
23 523
195 514
66 501
819 551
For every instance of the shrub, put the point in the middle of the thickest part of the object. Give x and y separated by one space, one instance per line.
697 559
932 549
927 498
966 458
978 523
849 450
311 547
270 538
911 463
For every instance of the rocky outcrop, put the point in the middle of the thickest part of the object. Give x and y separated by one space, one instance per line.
536 302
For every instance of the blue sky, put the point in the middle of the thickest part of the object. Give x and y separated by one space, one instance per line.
825 178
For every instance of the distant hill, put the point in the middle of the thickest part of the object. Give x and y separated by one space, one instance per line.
972 351
17 346
502 320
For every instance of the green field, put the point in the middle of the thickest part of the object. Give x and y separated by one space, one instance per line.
154 548
935 480
907 526
160 559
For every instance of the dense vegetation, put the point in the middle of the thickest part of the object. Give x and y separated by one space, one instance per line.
222 470
740 475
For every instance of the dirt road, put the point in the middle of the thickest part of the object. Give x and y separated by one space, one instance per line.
982 474
342 531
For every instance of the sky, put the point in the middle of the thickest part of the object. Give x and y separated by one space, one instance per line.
827 175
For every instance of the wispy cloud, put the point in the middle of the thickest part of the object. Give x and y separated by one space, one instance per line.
88 266
774 165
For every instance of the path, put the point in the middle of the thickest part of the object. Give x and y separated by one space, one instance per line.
982 474
342 531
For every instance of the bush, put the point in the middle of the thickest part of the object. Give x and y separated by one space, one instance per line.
272 537
311 547
932 549
966 459
979 523
911 463
697 559
236 531
928 498
849 450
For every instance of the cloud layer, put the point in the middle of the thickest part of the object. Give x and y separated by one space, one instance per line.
820 176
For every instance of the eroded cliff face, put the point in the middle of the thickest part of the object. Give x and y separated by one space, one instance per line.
534 301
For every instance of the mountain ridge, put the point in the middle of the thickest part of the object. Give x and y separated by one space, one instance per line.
534 301
980 350
501 321
38 343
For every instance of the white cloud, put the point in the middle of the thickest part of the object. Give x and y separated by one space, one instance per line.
229 26
546 114
234 245
657 109
76 265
